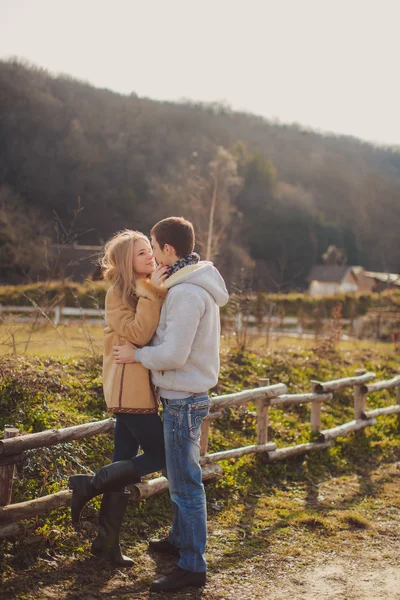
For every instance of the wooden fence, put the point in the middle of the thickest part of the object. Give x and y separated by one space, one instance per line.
13 446
57 314
54 314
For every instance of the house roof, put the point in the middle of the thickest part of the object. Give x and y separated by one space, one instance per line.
391 278
328 273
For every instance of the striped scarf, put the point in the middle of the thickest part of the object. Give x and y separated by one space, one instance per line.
189 259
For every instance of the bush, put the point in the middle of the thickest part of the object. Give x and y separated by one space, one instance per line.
90 294
38 394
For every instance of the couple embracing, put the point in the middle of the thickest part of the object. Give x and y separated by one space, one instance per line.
161 341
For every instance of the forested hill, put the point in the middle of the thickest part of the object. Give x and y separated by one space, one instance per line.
283 194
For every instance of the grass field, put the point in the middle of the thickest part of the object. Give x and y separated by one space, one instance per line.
80 338
43 339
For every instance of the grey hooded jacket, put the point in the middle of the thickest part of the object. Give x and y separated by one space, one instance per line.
184 352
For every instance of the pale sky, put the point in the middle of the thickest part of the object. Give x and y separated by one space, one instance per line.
332 65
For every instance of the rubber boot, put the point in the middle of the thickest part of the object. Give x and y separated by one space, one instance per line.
112 477
106 545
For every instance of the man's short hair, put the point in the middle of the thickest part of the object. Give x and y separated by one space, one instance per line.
176 232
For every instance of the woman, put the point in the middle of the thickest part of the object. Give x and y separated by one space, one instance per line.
133 304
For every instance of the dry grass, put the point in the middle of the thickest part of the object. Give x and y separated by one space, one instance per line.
78 338
257 343
74 339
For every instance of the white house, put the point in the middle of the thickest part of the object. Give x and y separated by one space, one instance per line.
337 279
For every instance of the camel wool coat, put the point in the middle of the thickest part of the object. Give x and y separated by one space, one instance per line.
128 388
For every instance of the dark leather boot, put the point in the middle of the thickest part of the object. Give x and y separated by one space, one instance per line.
111 477
106 545
178 579
164 546
82 492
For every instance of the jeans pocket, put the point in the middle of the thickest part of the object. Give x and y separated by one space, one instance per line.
172 407
195 414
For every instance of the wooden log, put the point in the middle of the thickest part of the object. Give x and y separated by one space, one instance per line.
398 402
262 421
12 459
377 412
160 484
270 391
8 530
262 414
287 399
382 385
360 401
359 372
213 415
205 430
331 434
315 411
284 453
337 384
31 508
54 436
316 416
360 397
236 453
7 471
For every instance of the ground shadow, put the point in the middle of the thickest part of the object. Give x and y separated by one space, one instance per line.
89 579
78 576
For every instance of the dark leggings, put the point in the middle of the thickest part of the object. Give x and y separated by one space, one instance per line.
140 431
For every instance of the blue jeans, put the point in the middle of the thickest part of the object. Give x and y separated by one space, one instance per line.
182 425
144 431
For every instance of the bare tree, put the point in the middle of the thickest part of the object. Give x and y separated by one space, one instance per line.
204 195
225 184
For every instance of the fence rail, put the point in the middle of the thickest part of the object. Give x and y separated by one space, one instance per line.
56 312
13 446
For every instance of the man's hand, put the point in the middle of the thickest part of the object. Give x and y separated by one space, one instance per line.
124 354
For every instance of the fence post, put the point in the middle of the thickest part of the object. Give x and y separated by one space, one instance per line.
262 414
360 399
315 410
398 402
204 433
57 314
7 472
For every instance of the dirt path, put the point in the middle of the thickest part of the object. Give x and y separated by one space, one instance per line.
351 573
350 578
257 557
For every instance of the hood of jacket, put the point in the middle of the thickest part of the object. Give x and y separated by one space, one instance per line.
205 275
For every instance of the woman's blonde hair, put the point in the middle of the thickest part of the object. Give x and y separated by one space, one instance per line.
117 263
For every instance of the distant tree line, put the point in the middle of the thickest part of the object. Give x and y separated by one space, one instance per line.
267 199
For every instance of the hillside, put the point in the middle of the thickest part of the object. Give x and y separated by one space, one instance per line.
93 161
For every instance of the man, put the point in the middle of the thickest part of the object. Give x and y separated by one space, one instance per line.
184 362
